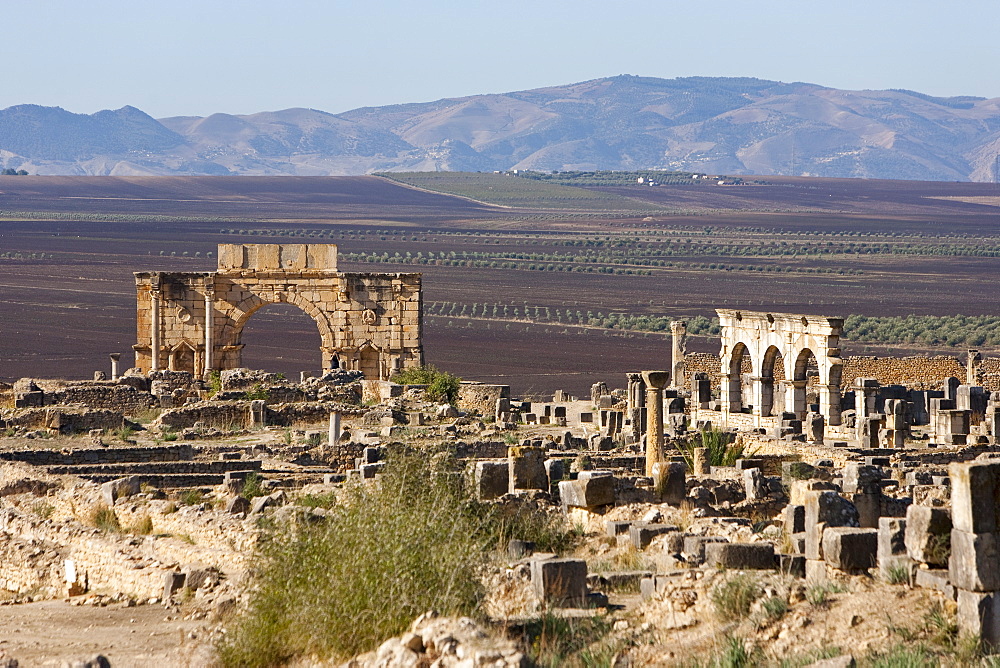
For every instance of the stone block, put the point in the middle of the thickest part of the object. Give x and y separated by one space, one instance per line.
979 617
519 549
669 481
121 488
825 509
816 570
747 556
928 533
935 578
794 519
491 479
793 565
560 582
617 527
694 547
642 535
850 549
238 505
587 492
974 564
975 496
755 485
862 479
891 543
172 581
526 468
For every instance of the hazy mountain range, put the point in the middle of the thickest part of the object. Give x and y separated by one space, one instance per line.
715 125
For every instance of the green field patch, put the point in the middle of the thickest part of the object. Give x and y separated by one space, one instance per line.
515 191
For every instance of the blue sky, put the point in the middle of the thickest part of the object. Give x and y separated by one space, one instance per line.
186 57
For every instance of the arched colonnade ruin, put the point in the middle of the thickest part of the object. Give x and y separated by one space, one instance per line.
780 345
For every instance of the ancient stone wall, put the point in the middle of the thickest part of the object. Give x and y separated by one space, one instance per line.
66 419
487 400
888 370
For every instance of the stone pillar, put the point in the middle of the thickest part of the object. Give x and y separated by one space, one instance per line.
795 397
114 365
974 538
334 438
209 326
702 465
972 367
829 403
764 394
730 392
636 403
678 349
865 390
655 382
154 305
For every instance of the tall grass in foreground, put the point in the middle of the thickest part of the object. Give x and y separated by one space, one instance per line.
413 541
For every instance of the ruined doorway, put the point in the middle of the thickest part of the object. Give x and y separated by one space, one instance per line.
281 338
368 362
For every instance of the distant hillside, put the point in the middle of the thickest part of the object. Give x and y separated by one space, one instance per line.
701 124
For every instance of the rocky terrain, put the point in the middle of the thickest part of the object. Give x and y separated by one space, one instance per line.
131 510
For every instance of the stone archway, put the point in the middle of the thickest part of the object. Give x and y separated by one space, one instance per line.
796 338
382 310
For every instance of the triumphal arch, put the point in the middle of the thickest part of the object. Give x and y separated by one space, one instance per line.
779 349
193 321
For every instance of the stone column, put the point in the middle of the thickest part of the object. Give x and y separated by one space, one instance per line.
655 382
334 439
678 349
731 393
795 397
865 390
829 403
154 305
636 402
114 365
209 326
763 395
972 367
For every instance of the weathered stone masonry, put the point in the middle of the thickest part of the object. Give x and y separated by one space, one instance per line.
367 322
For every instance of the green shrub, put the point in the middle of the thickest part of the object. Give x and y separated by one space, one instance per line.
256 393
734 596
441 385
722 450
336 588
775 607
253 486
104 518
735 654
897 574
557 641
143 526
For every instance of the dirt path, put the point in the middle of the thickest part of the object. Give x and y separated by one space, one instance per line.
47 633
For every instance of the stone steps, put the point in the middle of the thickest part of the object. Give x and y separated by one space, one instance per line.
219 467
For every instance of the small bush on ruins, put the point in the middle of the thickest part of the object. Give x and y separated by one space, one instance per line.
734 653
252 486
104 518
389 553
819 594
897 574
557 641
734 596
43 509
774 607
143 525
214 383
441 385
385 554
257 393
723 450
